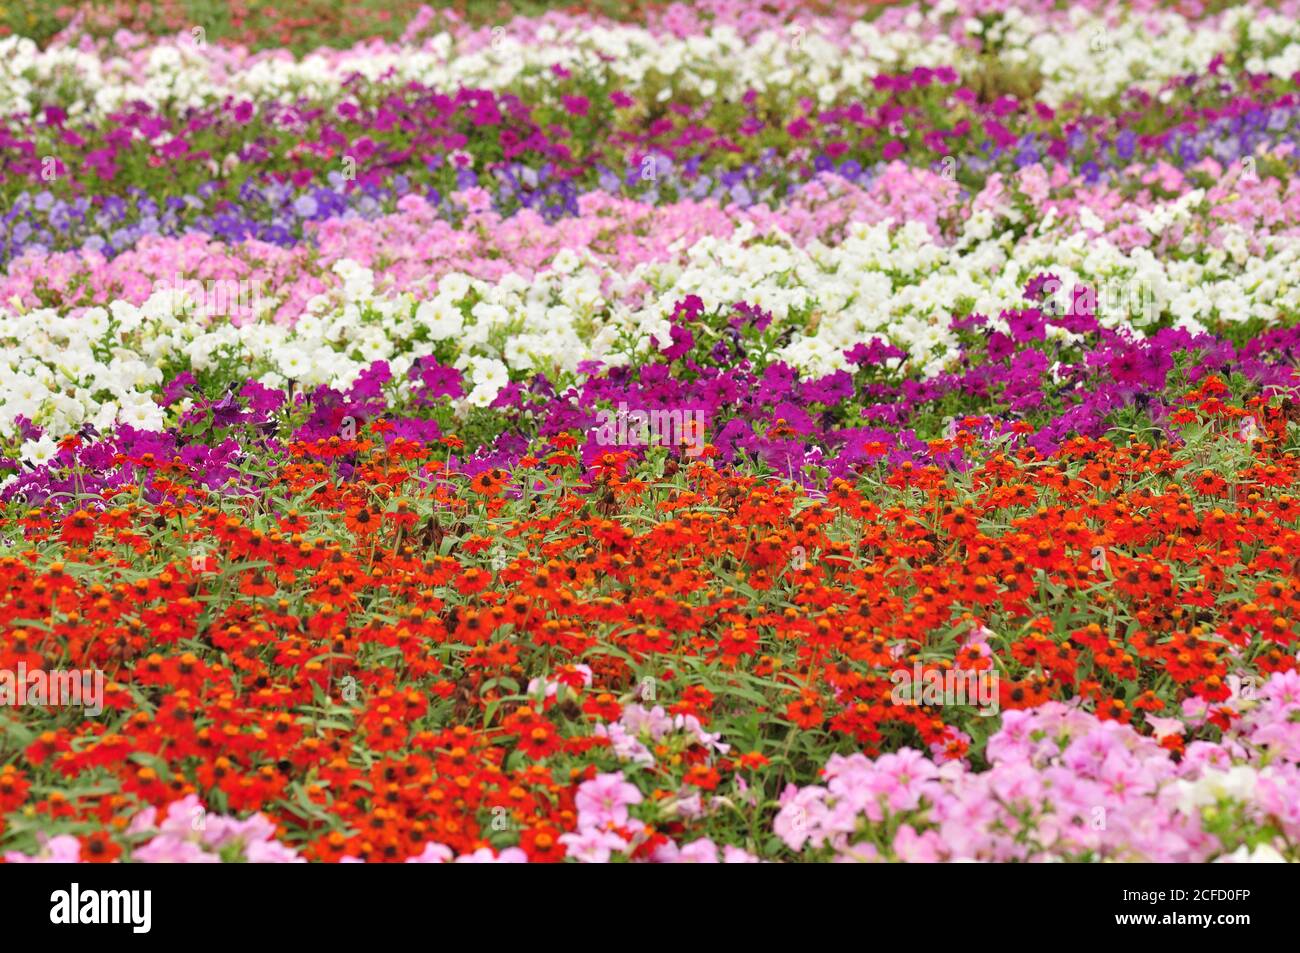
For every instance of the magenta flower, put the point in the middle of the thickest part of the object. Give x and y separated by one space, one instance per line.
576 105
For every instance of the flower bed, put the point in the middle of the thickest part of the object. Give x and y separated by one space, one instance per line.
729 459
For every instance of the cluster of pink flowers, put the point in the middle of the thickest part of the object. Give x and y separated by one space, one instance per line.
187 834
653 724
412 248
1062 784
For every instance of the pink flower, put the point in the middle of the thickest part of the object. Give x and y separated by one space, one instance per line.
185 818
802 814
904 778
433 853
63 849
624 744
1163 728
475 200
917 848
702 851
654 721
484 855
593 846
603 801
410 204
220 830
168 849
144 821
271 852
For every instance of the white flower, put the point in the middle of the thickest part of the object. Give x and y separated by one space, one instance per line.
454 285
293 363
490 315
517 352
38 452
482 395
489 372
143 414
565 261
1235 784
1262 854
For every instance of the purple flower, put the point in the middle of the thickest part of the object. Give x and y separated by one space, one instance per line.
682 342
437 380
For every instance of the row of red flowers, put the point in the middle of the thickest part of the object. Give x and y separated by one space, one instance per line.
405 656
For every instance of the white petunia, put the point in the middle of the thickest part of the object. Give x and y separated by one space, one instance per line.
38 452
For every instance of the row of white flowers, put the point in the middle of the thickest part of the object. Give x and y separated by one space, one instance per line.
105 365
1083 54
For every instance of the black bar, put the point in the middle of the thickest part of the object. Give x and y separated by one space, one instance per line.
331 903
